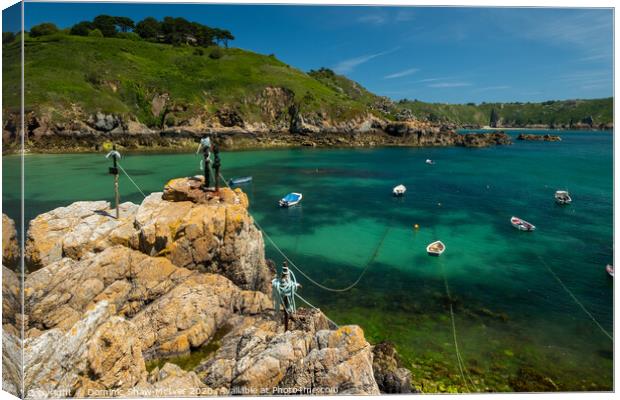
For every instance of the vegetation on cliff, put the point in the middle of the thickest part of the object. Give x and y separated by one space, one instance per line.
172 74
561 113
120 76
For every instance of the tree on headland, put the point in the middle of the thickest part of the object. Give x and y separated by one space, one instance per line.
106 24
124 23
222 36
148 28
494 118
8 37
82 28
46 28
175 31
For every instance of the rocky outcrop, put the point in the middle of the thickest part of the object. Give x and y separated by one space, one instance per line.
543 138
216 235
99 307
12 316
484 139
10 247
390 375
257 357
100 353
72 231
210 232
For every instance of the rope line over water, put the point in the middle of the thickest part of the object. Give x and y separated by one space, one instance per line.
579 303
459 357
132 181
298 269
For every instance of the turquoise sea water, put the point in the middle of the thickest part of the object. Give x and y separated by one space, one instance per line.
513 318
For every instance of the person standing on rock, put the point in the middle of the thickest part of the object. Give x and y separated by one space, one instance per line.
205 147
217 163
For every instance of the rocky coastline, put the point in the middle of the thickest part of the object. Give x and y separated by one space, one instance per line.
539 138
97 132
182 270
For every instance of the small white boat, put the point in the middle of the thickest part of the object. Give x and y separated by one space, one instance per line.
436 248
399 190
562 197
522 225
290 199
429 161
610 270
240 181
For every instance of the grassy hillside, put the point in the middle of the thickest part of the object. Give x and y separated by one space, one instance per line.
122 76
516 114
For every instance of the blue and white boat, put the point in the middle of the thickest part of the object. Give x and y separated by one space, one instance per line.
240 181
290 199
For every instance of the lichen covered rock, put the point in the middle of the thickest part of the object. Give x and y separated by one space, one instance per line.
10 246
75 230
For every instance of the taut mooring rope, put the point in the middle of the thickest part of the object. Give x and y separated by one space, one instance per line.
292 263
575 299
132 181
459 358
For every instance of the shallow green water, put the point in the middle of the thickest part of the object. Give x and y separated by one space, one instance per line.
510 311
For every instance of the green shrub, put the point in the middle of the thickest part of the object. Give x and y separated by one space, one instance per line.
95 33
8 37
129 36
46 28
199 52
216 54
82 28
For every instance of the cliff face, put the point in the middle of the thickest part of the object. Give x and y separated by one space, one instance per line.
170 276
281 122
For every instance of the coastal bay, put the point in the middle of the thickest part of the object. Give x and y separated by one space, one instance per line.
514 321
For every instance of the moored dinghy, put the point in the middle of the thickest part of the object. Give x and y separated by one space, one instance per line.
240 181
290 199
436 248
562 197
521 224
399 190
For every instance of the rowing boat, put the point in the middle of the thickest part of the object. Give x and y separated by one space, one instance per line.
290 199
521 224
239 181
399 190
436 248
563 197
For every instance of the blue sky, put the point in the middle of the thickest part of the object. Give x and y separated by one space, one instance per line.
451 55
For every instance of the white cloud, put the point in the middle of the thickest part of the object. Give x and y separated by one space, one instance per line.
449 84
350 64
373 19
404 16
400 74
488 88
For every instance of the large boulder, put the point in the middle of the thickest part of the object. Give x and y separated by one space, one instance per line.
58 295
99 352
391 377
75 230
217 235
10 246
258 357
11 335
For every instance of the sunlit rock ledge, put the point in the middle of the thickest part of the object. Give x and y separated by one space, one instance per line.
104 296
